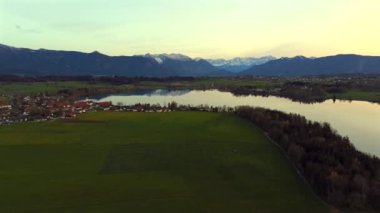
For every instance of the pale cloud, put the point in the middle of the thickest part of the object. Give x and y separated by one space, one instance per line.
27 30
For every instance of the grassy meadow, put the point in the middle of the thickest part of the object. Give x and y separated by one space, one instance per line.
147 162
52 87
36 87
201 83
359 95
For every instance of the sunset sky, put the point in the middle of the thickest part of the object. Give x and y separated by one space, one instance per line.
198 28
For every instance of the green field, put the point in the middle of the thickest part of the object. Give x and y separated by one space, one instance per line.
53 87
201 83
36 87
147 162
359 95
211 83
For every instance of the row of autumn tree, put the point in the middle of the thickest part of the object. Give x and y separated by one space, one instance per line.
337 172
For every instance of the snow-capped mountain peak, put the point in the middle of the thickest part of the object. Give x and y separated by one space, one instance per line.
160 58
239 64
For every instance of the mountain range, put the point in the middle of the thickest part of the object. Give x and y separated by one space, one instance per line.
329 65
23 61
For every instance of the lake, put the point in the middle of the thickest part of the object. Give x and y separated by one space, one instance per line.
359 120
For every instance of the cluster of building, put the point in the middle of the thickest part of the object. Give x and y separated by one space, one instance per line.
89 105
43 107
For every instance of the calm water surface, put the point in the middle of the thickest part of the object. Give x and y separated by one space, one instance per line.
359 120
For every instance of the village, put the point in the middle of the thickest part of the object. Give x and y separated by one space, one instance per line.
44 107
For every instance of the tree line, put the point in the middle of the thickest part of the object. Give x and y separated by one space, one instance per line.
341 175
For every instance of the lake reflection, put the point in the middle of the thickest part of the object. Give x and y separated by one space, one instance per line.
359 120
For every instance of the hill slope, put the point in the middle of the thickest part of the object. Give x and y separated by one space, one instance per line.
297 66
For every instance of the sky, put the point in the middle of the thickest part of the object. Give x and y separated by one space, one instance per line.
198 28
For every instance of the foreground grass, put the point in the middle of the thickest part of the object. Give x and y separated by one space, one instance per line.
141 162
